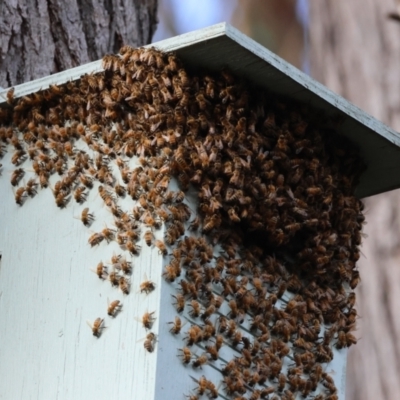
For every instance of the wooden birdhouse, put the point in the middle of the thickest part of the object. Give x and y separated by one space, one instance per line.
183 220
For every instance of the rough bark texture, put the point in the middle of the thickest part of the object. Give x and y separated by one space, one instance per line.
47 36
274 24
355 51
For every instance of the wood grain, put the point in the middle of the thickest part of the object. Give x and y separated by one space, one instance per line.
43 37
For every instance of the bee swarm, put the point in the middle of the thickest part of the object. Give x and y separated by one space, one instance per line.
275 191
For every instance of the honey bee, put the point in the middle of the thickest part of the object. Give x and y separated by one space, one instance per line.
30 187
86 217
97 326
120 190
10 96
345 340
161 246
194 335
196 309
355 279
171 272
20 196
148 320
80 195
149 342
17 176
86 180
132 247
176 326
199 361
113 308
195 224
95 239
147 286
148 237
125 266
43 179
18 157
186 355
179 303
212 351
124 285
101 270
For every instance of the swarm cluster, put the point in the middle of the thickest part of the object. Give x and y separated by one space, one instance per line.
275 192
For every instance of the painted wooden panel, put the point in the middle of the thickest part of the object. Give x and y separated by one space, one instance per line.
48 292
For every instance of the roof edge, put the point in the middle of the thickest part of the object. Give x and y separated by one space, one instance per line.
75 73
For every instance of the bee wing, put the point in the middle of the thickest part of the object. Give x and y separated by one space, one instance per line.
90 324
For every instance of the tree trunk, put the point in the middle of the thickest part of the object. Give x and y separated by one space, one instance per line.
47 36
362 64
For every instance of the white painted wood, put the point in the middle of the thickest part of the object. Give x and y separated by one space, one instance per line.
221 46
48 292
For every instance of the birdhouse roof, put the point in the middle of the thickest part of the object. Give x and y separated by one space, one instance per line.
222 46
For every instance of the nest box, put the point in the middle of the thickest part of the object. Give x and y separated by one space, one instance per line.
57 274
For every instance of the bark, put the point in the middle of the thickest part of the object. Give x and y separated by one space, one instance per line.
47 36
274 24
355 51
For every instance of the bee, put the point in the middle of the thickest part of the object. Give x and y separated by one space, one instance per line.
345 340
30 187
195 224
196 309
113 277
194 335
281 381
132 247
176 326
20 196
80 195
171 272
210 223
199 361
355 279
186 355
125 266
17 176
149 342
62 199
124 285
101 270
148 237
10 96
212 351
97 326
208 312
113 308
147 286
44 179
86 217
161 247
179 196
210 387
18 157
148 320
120 190
95 239
179 303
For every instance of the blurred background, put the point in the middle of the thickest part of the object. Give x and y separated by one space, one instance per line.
354 49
